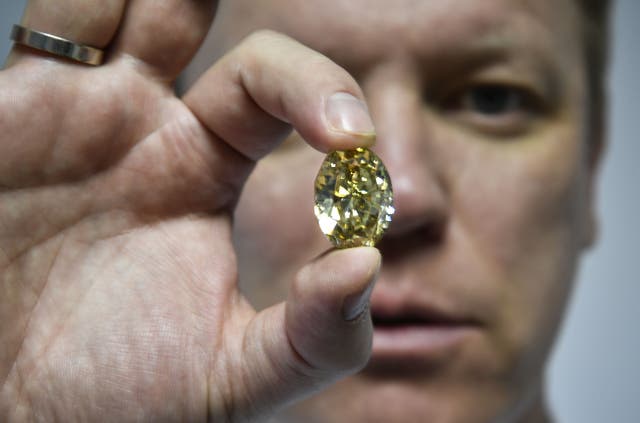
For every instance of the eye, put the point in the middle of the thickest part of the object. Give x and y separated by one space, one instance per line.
492 100
494 109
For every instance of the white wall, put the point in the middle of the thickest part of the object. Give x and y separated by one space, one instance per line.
10 11
595 372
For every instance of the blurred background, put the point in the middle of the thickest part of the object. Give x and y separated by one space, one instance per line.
594 375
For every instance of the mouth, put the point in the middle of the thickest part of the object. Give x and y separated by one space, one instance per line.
418 334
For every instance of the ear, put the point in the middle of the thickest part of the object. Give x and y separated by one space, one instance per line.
594 152
590 230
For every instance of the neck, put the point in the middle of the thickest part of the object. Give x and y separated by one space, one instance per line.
535 410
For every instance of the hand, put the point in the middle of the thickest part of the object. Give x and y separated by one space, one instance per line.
118 279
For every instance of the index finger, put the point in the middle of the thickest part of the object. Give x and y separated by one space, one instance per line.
270 83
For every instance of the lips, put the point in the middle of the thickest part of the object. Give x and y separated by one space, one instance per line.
410 317
414 333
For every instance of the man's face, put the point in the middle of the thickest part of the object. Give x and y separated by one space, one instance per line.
479 107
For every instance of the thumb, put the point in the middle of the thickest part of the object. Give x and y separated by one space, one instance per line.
322 333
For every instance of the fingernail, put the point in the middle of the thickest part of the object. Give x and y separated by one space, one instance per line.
356 304
346 113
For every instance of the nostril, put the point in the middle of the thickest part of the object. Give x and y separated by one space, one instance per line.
420 203
406 239
431 223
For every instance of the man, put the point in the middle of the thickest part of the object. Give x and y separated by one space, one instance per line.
119 281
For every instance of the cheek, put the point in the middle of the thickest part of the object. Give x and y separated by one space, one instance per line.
275 230
527 199
525 221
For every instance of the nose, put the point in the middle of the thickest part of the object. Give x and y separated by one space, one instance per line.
406 145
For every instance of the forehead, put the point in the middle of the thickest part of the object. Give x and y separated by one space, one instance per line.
371 30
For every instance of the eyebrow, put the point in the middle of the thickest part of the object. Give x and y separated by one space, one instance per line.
465 57
486 49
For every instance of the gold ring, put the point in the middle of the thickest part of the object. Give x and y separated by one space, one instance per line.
57 45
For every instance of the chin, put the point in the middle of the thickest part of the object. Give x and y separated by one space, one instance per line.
363 398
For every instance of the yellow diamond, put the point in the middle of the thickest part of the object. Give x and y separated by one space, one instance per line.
353 198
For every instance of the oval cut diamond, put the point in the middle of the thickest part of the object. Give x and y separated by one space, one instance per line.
353 198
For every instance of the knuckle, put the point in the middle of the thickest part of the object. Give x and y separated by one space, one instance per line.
268 49
266 43
264 38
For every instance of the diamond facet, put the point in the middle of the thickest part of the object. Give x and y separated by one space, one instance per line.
353 198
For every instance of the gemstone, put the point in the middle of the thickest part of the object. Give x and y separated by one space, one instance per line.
353 198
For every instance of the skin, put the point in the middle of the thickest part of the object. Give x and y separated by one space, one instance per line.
509 194
118 277
118 272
